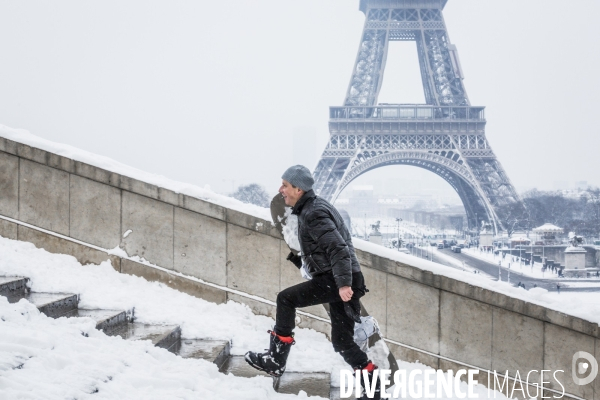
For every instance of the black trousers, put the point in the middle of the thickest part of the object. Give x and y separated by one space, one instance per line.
319 290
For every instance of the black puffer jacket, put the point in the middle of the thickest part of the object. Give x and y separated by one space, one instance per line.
324 239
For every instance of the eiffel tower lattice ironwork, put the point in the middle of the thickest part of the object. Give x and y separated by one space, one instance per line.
446 135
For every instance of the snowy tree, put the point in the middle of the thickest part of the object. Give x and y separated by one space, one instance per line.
580 214
253 194
592 211
513 217
552 207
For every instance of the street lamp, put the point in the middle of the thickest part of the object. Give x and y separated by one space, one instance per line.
520 260
398 242
544 236
499 271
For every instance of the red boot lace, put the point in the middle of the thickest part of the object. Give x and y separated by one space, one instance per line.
284 339
370 367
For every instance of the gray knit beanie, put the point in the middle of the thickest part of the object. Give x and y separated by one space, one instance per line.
299 176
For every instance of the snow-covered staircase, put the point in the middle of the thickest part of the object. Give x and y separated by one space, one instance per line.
106 320
314 384
167 337
52 304
216 351
121 323
12 286
115 322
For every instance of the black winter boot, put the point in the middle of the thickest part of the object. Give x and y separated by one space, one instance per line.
273 361
370 368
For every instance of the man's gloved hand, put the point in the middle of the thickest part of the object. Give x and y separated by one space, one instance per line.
295 259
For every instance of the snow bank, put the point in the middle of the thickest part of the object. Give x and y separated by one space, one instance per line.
451 260
23 136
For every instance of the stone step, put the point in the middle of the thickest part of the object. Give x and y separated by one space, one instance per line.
236 365
314 384
165 336
215 351
53 304
106 320
336 395
13 287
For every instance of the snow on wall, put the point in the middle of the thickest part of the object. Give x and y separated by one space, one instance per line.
64 150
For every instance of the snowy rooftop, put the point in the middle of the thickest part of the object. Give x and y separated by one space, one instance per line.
548 228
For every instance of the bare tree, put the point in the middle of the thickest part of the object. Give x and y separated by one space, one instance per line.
513 216
457 222
551 207
574 214
252 194
592 210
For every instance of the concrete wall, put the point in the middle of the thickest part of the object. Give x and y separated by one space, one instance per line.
442 322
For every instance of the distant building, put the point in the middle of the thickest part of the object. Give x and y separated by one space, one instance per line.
434 211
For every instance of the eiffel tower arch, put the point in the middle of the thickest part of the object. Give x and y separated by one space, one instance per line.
445 136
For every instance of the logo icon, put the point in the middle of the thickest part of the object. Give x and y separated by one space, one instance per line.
581 367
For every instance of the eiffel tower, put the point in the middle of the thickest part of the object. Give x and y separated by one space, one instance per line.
445 136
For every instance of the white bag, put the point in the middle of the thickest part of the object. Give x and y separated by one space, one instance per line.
304 272
362 332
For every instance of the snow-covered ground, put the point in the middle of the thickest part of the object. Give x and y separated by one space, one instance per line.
580 285
409 231
451 260
67 358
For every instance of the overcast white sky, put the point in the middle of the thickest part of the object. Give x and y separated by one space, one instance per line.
209 92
